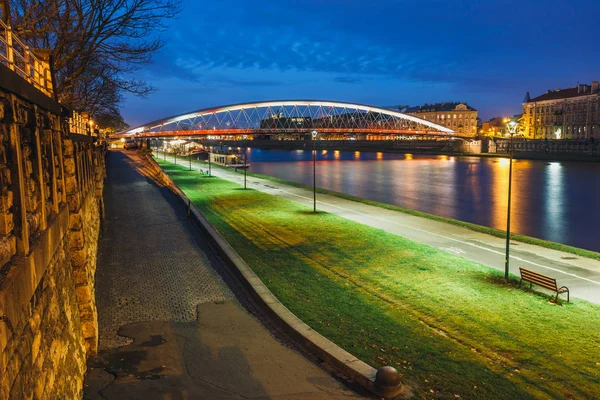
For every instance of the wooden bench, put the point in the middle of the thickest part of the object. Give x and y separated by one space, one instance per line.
543 281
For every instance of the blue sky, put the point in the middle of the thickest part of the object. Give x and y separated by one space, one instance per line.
488 53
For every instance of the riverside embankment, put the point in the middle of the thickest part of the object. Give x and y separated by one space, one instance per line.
385 298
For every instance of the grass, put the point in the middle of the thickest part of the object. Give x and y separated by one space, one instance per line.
474 227
452 327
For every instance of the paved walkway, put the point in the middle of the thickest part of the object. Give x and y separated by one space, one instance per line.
580 275
171 324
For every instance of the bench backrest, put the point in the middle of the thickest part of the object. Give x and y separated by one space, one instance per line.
538 279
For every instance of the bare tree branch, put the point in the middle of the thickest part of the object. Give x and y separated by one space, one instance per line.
97 45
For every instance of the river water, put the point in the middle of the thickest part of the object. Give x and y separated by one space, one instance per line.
556 201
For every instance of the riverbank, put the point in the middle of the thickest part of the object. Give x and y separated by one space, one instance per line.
387 302
394 147
474 227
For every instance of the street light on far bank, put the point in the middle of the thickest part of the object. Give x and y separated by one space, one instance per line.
511 126
314 138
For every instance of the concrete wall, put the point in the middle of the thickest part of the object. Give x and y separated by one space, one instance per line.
50 210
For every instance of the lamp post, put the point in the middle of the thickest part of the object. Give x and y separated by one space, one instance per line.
314 138
511 126
189 150
209 169
245 165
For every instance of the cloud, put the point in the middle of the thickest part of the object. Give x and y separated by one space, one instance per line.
230 35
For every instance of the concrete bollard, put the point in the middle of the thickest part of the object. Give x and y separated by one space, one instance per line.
387 382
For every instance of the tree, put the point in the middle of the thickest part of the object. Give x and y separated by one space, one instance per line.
96 46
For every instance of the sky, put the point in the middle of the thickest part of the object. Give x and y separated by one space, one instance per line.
487 53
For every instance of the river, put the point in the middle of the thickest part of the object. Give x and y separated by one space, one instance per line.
556 201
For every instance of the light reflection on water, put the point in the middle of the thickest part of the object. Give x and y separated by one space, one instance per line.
555 201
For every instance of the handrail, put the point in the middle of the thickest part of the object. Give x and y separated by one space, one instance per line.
17 56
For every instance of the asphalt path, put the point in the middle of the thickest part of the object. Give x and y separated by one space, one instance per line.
174 321
581 275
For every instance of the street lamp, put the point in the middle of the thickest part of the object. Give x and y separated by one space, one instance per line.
245 165
314 138
209 165
511 126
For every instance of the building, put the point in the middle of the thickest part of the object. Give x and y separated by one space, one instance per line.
459 117
494 127
572 113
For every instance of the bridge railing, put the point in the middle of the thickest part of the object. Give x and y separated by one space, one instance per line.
17 56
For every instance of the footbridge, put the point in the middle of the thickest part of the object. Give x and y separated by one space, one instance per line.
290 118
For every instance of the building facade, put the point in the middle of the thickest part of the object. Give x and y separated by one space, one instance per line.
572 113
459 117
494 127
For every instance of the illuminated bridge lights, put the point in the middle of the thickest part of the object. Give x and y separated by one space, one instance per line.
290 116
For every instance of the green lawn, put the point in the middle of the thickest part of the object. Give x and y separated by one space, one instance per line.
478 228
450 326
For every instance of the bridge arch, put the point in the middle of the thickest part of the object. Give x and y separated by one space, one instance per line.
290 116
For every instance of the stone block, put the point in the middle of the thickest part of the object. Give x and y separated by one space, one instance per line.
80 275
74 201
67 147
6 201
77 239
28 167
6 223
33 220
91 346
84 295
32 202
71 183
76 220
69 166
90 329
78 257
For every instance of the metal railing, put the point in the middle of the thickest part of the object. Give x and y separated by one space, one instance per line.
19 58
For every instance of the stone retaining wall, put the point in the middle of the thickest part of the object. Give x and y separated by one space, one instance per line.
50 210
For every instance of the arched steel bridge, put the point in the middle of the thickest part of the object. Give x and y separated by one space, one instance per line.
289 117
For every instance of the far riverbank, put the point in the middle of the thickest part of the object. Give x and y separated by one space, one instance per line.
428 147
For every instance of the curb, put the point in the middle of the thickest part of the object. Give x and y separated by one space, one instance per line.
323 348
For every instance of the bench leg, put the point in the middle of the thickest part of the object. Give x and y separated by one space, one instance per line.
568 296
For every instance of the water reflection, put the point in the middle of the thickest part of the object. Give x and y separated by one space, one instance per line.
553 201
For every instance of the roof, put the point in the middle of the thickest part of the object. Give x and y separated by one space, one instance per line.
448 106
561 94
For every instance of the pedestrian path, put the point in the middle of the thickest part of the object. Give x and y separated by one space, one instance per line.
170 324
581 275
